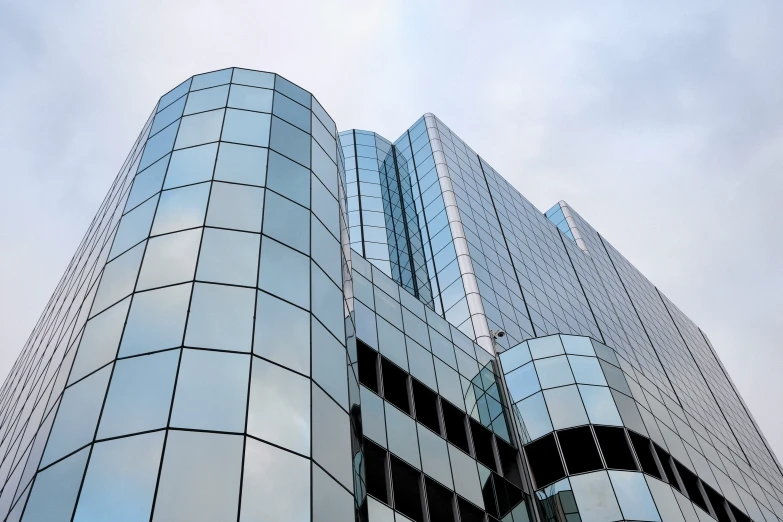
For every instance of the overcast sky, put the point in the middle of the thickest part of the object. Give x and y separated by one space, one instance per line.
659 122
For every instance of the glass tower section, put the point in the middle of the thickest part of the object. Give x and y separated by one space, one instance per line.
268 320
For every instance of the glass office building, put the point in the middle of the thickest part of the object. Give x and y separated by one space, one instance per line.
272 320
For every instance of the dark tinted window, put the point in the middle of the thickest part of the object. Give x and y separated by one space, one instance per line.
614 446
579 450
544 460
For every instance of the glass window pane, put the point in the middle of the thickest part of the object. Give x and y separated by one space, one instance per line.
199 128
285 273
565 407
139 396
287 222
332 438
629 413
554 371
522 382
325 251
100 341
77 417
435 456
466 479
120 480
290 141
235 206
254 78
207 99
147 183
595 498
373 417
210 79
174 93
134 227
292 112
600 405
191 165
331 503
181 208
156 320
276 485
54 492
533 417
199 480
545 346
249 128
228 257
392 344
168 115
330 364
158 145
241 164
288 178
634 496
250 98
282 333
279 407
421 365
448 384
324 167
325 207
587 370
221 317
294 92
327 303
118 279
211 391
577 345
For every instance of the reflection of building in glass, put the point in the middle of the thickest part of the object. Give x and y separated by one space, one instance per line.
268 320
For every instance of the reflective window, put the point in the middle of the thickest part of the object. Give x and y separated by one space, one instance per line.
373 417
181 208
199 479
169 259
235 206
466 479
330 365
134 227
325 207
577 345
158 146
327 302
287 222
228 257
54 492
147 183
120 480
276 485
522 382
331 503
285 273
587 370
100 340
634 496
156 320
565 407
595 498
118 279
325 251
331 438
168 115
554 371
401 432
139 396
221 317
545 346
292 112
448 384
192 165
290 141
250 98
615 378
248 128
211 391
600 406
241 164
289 179
174 93
206 99
77 417
434 456
199 128
629 413
421 365
282 333
254 78
210 79
279 407
294 92
392 344
324 167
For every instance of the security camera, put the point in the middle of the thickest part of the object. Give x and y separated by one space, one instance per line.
498 334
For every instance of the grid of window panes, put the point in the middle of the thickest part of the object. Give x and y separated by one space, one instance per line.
32 390
432 414
559 383
213 372
556 216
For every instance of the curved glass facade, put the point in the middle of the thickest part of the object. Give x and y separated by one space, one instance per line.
268 320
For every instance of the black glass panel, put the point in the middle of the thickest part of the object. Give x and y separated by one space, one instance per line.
407 492
426 403
375 471
468 512
579 450
691 483
368 365
644 453
482 443
454 421
544 460
508 462
614 446
395 385
666 465
718 504
440 502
